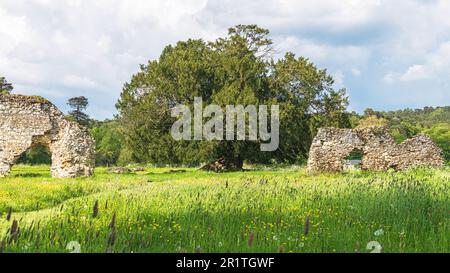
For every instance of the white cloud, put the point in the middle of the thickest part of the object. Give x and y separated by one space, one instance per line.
66 48
79 82
415 72
339 59
436 66
88 47
356 72
339 79
347 55
334 15
390 77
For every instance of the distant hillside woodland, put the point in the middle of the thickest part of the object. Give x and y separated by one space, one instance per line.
232 70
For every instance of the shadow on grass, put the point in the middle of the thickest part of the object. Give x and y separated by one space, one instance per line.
29 175
169 172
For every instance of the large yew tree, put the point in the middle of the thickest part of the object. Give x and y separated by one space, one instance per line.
238 69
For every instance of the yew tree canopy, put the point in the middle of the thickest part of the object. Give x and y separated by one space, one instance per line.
240 68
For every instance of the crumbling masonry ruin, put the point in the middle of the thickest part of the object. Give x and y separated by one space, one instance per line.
29 121
380 152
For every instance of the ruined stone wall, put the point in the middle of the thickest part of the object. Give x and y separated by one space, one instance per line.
380 152
29 121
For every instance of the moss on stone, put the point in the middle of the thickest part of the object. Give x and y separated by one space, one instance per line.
23 98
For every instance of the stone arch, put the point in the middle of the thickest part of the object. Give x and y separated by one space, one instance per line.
27 121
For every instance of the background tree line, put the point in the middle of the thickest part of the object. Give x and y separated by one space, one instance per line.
232 70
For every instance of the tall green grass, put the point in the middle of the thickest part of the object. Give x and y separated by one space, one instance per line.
257 211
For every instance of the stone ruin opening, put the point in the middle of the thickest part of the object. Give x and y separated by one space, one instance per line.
37 154
27 122
354 160
332 147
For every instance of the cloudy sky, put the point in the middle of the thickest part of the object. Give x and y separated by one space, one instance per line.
388 54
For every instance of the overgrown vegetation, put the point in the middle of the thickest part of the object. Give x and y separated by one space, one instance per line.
188 210
238 69
163 210
37 155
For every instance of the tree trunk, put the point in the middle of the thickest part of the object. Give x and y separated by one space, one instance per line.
228 162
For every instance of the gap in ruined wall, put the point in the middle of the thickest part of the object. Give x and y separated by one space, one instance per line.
354 160
36 155
29 158
39 148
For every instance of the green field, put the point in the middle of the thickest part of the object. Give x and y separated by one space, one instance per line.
185 210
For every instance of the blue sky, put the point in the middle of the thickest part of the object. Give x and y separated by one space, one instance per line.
388 54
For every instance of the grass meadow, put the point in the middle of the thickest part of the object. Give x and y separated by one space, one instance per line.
258 211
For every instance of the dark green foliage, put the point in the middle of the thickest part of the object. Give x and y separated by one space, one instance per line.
37 155
109 139
355 155
234 70
424 118
307 101
79 104
440 133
